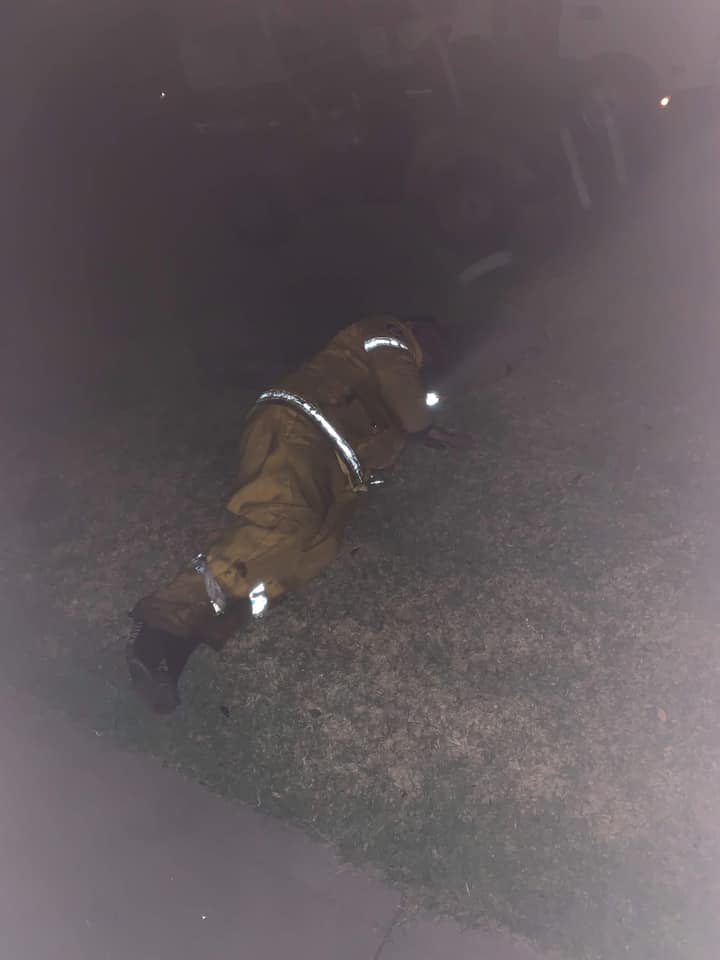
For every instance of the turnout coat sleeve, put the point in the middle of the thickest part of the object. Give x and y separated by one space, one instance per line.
397 373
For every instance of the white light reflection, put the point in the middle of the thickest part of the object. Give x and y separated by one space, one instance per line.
664 102
258 600
375 342
432 399
341 444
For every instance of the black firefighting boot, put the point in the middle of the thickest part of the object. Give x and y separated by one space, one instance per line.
156 660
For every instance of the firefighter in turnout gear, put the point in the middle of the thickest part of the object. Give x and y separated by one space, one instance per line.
310 447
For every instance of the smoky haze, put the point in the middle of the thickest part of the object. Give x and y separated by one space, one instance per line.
499 703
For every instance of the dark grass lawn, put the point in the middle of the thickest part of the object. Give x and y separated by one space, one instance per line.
505 692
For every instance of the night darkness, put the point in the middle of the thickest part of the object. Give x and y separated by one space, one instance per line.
358 370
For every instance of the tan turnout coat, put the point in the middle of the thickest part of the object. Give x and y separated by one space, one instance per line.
294 493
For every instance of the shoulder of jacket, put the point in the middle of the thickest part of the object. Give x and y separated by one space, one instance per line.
388 325
378 323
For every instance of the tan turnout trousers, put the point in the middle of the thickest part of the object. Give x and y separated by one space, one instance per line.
295 488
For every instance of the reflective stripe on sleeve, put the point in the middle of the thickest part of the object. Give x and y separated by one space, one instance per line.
375 343
343 448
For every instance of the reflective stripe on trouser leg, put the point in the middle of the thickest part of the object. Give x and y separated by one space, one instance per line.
258 600
216 594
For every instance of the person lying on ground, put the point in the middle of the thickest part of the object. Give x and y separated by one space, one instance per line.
310 447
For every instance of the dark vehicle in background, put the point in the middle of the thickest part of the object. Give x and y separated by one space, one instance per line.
478 110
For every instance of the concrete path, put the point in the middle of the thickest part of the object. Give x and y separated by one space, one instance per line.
107 856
